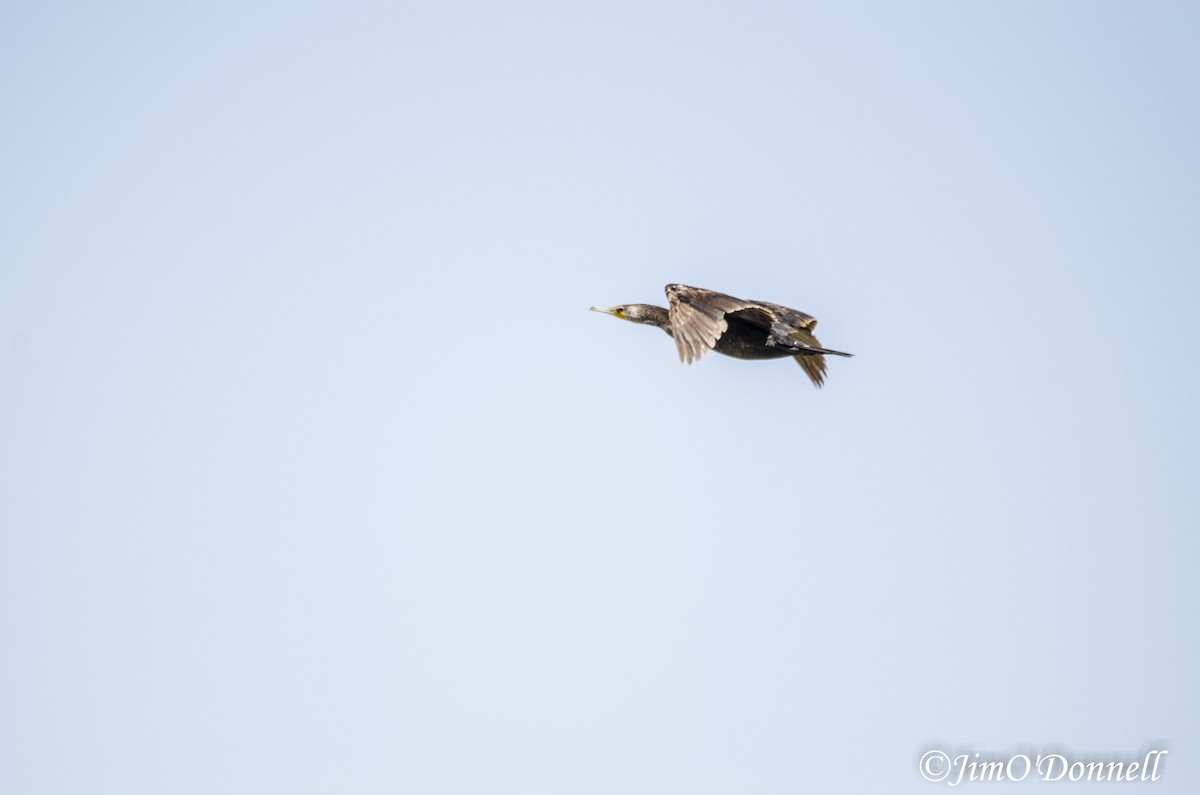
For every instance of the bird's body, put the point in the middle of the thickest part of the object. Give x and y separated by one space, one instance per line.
744 339
702 320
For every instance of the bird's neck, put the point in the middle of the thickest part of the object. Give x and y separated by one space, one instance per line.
657 316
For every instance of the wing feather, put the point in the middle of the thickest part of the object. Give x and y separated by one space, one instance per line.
698 318
814 367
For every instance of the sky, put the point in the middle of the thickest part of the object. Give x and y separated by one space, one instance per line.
316 474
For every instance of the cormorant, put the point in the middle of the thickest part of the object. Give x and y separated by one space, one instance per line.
700 320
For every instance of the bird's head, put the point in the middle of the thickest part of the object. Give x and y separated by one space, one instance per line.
636 313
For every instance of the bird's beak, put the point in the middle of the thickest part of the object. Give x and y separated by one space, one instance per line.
605 311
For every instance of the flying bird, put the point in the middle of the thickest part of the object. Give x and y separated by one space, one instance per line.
702 320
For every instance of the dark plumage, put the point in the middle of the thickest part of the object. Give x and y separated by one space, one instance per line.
703 320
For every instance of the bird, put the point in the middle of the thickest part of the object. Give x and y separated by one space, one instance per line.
702 320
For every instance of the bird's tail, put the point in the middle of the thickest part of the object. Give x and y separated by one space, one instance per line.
827 350
798 341
800 349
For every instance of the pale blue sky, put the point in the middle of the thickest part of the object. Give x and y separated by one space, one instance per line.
317 475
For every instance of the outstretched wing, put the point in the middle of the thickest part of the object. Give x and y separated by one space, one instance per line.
698 318
789 318
814 368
